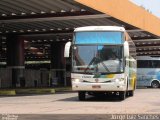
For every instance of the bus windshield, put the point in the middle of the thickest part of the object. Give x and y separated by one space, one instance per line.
98 58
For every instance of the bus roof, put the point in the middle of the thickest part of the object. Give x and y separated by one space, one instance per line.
100 28
147 58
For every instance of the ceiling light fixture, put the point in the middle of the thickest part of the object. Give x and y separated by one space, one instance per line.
4 15
23 13
33 13
52 11
42 12
13 14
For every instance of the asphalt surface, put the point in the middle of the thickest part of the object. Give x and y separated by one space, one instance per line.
63 104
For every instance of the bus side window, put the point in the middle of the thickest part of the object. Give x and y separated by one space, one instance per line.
156 64
151 64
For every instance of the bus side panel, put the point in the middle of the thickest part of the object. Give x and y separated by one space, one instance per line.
132 75
146 75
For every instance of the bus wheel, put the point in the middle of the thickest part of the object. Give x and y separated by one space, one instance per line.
81 95
122 95
131 93
155 84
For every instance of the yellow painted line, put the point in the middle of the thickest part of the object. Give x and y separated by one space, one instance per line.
7 92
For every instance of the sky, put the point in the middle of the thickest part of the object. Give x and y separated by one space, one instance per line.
152 5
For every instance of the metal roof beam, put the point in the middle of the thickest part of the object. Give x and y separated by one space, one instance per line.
158 51
147 40
148 47
135 30
55 18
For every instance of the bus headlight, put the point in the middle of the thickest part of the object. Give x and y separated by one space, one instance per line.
76 80
119 80
116 80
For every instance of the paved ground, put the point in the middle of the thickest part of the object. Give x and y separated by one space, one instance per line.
145 101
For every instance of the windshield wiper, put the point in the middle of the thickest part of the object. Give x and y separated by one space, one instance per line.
92 61
96 60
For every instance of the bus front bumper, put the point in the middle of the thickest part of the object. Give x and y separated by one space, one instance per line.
98 86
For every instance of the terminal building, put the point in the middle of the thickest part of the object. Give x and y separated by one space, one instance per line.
33 35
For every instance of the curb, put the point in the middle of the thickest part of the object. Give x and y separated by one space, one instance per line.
7 92
25 91
14 92
35 91
63 89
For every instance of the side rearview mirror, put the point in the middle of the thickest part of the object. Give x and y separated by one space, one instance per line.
67 49
126 49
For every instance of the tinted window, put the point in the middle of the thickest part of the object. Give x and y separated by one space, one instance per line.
148 64
98 38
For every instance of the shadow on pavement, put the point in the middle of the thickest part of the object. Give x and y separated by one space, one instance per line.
104 98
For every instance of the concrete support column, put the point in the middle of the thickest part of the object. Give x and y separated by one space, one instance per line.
58 61
0 46
15 59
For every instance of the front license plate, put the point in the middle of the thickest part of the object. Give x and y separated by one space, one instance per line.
96 86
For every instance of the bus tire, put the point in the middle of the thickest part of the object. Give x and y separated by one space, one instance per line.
131 93
82 95
155 84
122 95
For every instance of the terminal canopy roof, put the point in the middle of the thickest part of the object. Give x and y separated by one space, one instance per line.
40 22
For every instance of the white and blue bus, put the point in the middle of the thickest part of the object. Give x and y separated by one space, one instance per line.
148 71
103 61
